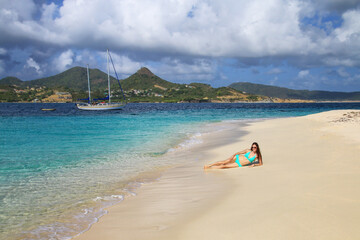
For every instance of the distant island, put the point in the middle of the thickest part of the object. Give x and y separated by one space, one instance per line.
285 93
144 86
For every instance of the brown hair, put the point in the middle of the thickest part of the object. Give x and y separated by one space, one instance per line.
258 153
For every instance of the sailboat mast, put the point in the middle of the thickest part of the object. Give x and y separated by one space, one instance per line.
108 68
88 83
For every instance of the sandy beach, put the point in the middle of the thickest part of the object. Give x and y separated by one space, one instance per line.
308 187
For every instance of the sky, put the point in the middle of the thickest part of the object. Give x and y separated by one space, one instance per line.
297 44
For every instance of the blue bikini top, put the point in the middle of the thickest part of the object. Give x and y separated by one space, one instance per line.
250 159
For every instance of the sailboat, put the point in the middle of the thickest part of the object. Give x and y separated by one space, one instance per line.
103 106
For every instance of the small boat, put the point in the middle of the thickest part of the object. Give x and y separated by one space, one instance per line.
102 106
48 109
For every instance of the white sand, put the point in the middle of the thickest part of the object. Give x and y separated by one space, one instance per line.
308 188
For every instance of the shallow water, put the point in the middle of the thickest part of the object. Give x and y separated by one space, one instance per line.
59 169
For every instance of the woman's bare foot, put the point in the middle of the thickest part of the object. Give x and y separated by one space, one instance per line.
207 166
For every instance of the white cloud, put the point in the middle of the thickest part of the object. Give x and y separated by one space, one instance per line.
63 61
338 61
22 10
216 28
351 27
31 63
176 70
303 73
123 65
3 51
275 71
167 32
48 12
78 58
17 25
85 57
342 72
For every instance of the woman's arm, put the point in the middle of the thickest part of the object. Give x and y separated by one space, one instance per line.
257 164
242 152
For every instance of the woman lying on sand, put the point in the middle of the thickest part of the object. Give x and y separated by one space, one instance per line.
239 159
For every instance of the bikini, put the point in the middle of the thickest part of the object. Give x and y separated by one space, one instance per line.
247 157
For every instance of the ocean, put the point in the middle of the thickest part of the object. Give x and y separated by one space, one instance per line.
60 169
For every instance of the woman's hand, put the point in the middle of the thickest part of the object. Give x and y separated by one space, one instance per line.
256 165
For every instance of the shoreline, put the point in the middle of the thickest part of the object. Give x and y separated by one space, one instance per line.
185 188
279 200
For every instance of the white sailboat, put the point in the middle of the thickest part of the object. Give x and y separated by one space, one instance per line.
103 106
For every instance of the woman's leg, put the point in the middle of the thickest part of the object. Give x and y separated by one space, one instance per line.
229 160
228 165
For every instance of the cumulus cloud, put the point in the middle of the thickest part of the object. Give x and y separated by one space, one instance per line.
185 39
31 63
303 73
48 13
19 9
351 27
194 28
185 72
20 25
64 60
123 64
215 28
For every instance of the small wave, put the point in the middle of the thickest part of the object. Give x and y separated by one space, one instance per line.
109 198
131 193
235 120
82 221
192 140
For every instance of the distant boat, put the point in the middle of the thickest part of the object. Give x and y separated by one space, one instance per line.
92 106
48 109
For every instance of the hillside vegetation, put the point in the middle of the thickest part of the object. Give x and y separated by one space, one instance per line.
285 93
142 86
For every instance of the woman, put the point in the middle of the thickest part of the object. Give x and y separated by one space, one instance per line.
240 159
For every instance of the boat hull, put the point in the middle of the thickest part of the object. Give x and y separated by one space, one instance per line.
100 107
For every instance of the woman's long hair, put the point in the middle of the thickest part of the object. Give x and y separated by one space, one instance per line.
258 153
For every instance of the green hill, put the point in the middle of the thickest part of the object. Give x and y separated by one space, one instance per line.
75 79
142 86
11 81
144 79
285 93
146 86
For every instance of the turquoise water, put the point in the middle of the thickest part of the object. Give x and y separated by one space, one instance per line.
59 170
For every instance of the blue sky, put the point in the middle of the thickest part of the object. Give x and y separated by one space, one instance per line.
298 44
